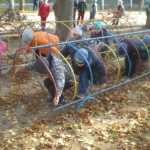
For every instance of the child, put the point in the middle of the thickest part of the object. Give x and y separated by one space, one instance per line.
77 35
93 9
100 32
44 11
38 38
80 56
120 12
3 47
136 53
60 72
82 6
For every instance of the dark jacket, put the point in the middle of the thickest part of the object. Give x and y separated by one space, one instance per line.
135 44
75 5
94 61
82 7
102 33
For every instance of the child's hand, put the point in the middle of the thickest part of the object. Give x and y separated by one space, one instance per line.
56 100
103 86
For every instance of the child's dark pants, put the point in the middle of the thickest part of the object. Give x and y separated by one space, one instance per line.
50 86
133 62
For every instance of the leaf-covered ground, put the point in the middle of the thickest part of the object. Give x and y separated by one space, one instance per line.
120 120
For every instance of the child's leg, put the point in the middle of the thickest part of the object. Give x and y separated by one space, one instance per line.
83 81
43 24
50 87
134 60
126 66
79 15
82 16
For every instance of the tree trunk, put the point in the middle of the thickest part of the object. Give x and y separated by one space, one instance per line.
21 5
102 5
130 4
11 4
63 10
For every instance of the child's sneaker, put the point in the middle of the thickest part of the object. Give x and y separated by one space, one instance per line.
81 95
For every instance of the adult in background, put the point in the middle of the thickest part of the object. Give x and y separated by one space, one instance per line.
82 6
44 12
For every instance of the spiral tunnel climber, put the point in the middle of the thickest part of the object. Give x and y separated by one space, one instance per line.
126 58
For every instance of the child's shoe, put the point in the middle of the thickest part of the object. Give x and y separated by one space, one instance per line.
81 95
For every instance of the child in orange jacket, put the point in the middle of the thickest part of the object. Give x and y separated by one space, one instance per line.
32 39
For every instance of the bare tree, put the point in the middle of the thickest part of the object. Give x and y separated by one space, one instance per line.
63 10
11 4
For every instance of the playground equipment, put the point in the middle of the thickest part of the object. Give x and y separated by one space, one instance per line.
115 84
113 64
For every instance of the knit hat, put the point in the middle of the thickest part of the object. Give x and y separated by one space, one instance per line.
77 30
27 35
39 66
121 48
98 25
146 39
81 56
3 46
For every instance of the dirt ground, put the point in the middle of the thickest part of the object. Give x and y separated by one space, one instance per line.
119 121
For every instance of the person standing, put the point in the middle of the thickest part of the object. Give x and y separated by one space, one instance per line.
44 12
120 12
35 2
82 6
93 9
75 8
74 12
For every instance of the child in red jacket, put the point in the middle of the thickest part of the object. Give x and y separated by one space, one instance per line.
44 11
